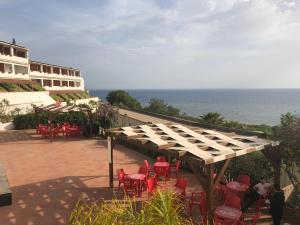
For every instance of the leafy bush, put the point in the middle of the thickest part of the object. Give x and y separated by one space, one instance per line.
30 120
164 209
122 98
160 107
255 165
37 87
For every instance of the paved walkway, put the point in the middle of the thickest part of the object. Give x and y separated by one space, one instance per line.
142 117
47 178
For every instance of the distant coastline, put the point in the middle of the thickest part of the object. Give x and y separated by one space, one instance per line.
252 106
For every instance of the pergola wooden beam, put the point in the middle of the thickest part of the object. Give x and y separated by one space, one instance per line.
221 173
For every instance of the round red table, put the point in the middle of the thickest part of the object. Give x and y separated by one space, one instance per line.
161 164
228 213
139 178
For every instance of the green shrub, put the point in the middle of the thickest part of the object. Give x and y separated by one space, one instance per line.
37 87
56 97
255 165
164 209
25 87
30 120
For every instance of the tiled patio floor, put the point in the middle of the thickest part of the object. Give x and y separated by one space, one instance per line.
47 178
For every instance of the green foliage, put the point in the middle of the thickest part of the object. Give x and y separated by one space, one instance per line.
160 107
255 165
56 97
36 86
122 98
30 120
289 135
212 118
4 116
164 208
11 87
106 115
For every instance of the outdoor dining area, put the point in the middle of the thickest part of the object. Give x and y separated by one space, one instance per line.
204 152
53 130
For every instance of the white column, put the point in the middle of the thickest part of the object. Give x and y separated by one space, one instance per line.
41 68
11 51
12 69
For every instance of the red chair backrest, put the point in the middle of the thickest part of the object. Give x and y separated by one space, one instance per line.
151 184
146 163
143 170
244 179
161 158
181 183
160 171
232 200
121 174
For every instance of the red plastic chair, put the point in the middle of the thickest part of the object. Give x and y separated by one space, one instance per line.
222 221
151 185
121 177
198 199
180 186
147 165
231 200
244 179
130 186
174 168
161 158
161 172
254 220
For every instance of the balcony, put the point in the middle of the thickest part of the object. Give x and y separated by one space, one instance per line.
13 54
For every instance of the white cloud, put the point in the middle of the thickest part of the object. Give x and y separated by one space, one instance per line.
158 44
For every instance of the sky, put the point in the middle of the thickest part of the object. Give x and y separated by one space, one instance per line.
158 44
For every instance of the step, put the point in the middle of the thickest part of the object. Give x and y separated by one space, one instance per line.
5 192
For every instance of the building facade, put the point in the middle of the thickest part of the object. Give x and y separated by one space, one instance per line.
15 66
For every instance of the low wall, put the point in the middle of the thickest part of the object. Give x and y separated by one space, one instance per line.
6 126
86 100
25 100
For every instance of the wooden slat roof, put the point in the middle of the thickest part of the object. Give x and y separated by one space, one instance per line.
209 145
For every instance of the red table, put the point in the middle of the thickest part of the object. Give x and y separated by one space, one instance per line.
238 188
139 178
162 164
228 213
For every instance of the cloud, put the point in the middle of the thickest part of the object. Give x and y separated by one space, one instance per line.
163 43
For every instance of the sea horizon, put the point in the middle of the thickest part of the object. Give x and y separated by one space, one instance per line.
245 105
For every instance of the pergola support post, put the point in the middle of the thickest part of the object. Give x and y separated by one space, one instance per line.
209 189
110 147
221 173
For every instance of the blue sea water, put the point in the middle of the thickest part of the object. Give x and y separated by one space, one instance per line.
252 106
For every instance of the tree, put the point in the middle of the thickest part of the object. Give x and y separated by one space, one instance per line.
122 98
289 135
160 107
212 118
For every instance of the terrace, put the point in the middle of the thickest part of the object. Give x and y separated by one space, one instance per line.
47 178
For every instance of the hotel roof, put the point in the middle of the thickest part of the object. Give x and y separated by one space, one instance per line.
11 44
47 64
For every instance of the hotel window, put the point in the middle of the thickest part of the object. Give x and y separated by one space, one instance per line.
21 69
2 68
48 83
64 83
77 84
77 74
56 83
19 53
35 67
64 72
71 84
56 70
46 69
4 50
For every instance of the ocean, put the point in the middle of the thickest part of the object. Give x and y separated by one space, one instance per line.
252 106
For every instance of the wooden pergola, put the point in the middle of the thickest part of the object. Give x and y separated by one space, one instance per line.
200 148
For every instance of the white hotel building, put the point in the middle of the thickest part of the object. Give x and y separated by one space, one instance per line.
15 66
